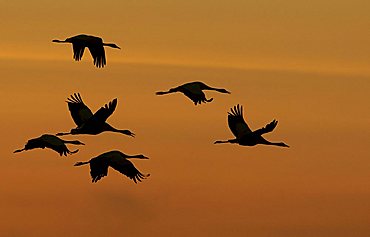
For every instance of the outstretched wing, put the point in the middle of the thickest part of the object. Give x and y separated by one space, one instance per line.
79 111
98 168
35 143
268 128
195 94
125 167
55 143
97 52
104 112
78 49
236 122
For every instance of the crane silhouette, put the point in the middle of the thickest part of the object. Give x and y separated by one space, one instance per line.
89 123
52 142
244 135
194 91
93 43
118 161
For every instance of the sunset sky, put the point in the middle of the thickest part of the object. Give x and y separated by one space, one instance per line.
304 63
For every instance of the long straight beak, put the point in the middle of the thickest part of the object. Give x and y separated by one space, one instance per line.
16 151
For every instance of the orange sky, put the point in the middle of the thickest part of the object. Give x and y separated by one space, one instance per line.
305 65
318 35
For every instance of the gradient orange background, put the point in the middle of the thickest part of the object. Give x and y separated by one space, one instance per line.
304 64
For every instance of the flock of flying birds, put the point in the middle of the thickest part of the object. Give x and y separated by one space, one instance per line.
95 123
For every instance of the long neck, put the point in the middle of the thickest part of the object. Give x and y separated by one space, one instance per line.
75 142
227 141
282 144
206 87
111 45
215 89
219 90
62 134
82 163
172 90
135 156
60 41
122 131
19 150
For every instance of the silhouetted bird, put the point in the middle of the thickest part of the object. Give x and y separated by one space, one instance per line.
89 123
244 135
193 90
52 142
118 161
95 45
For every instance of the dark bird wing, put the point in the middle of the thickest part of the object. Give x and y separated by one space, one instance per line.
79 111
98 168
35 143
236 122
56 144
97 52
125 167
78 50
268 128
49 141
104 112
196 95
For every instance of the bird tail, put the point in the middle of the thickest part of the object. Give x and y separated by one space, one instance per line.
140 176
144 176
73 152
127 132
68 152
81 163
209 100
202 100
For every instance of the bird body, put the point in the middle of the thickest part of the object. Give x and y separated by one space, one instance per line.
118 161
93 43
89 123
52 142
244 135
95 127
194 91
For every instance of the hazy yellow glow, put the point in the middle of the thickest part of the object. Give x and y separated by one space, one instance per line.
316 35
304 64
